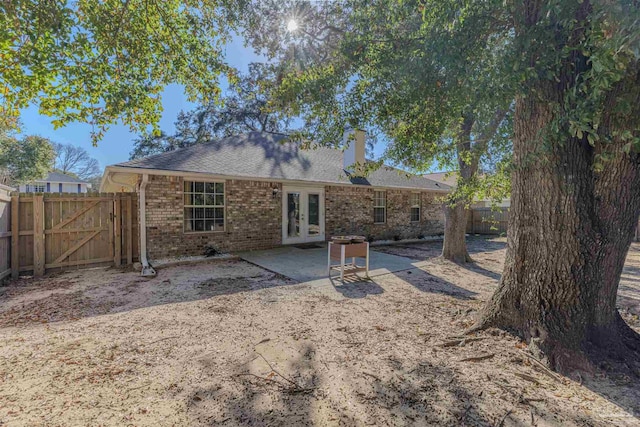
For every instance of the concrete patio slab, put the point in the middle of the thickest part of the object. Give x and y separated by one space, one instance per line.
305 265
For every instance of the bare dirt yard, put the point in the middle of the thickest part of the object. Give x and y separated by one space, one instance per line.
228 343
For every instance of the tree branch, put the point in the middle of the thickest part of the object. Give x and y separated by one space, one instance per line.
481 143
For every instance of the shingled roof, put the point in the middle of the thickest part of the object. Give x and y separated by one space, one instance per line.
60 177
269 156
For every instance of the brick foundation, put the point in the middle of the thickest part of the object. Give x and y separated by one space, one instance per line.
254 217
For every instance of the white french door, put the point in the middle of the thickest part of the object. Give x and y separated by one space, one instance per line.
302 215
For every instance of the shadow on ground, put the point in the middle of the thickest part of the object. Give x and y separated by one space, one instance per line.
303 390
425 282
300 391
432 249
356 287
71 296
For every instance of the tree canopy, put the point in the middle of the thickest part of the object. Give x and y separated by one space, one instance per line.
377 65
24 159
402 71
427 72
243 108
99 62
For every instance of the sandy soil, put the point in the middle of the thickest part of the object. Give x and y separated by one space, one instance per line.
228 343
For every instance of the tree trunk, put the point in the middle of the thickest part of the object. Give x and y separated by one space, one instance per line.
570 227
454 247
455 212
455 227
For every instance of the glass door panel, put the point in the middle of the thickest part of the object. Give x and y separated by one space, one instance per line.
313 214
293 214
302 215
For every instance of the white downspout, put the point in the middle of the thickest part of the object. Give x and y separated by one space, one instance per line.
147 270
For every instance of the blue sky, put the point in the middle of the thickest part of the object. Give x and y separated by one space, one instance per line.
117 143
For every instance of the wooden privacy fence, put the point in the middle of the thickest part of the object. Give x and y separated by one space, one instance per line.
487 221
72 230
5 232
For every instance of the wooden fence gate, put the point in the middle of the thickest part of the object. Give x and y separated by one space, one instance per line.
72 230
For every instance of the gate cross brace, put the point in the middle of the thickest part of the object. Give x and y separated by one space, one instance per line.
76 246
75 215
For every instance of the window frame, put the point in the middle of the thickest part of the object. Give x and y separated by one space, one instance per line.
383 206
31 188
413 206
203 206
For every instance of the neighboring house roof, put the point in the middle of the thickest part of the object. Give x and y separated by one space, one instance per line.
266 156
449 178
60 177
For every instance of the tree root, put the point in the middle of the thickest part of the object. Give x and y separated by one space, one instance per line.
457 259
615 350
484 322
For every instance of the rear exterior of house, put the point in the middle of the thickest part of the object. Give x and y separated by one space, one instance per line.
256 191
56 182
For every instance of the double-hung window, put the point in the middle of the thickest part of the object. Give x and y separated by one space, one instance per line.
379 207
203 206
415 207
36 188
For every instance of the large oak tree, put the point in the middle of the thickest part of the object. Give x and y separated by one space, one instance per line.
574 71
576 182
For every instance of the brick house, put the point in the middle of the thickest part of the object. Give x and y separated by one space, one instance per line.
256 191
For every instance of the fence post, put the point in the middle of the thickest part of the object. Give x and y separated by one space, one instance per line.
15 236
129 231
117 230
38 235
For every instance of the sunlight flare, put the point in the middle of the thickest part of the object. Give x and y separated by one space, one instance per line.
292 25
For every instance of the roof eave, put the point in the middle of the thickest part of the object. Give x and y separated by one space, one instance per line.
172 172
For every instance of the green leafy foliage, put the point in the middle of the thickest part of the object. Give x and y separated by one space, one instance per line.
244 108
25 159
405 71
597 56
99 62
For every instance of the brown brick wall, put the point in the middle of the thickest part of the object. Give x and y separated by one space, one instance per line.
350 211
254 217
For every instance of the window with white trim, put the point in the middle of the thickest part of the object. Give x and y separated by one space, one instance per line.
379 206
203 206
36 188
415 207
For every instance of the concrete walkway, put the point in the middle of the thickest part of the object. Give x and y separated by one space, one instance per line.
305 265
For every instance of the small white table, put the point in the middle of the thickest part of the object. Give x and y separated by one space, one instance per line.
341 252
